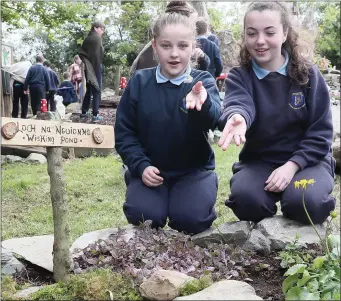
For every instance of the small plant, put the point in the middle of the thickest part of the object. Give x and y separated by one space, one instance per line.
196 285
319 280
292 255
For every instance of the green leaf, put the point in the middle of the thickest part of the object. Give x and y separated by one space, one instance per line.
318 262
305 278
337 271
313 285
306 295
289 282
293 294
330 287
295 269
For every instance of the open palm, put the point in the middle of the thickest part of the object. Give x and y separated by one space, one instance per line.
235 129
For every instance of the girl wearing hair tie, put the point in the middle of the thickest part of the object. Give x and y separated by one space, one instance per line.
160 132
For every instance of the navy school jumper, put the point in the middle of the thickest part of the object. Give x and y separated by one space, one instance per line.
284 122
153 128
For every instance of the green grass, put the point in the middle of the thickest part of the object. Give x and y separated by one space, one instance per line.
95 194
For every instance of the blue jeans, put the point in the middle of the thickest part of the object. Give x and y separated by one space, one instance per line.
96 95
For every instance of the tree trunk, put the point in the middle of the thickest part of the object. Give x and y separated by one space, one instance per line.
200 7
61 245
117 80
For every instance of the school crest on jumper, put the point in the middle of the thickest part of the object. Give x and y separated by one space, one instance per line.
297 100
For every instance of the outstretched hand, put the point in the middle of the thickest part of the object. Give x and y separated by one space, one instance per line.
235 129
197 97
151 177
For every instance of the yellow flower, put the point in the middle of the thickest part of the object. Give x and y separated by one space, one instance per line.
311 182
333 214
303 183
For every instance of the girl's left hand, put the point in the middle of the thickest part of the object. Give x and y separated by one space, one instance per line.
281 177
197 97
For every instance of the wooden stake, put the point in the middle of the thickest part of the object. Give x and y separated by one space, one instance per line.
61 244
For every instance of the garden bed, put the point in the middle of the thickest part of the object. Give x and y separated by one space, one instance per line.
150 250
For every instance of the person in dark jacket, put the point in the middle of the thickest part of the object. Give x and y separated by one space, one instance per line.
67 90
161 132
38 83
92 53
209 48
54 82
277 103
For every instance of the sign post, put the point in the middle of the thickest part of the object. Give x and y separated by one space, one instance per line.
55 135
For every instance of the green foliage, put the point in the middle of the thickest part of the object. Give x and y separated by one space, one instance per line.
292 255
227 20
319 280
101 284
8 287
196 285
328 42
12 12
327 18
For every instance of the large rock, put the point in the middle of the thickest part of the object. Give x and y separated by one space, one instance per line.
86 239
229 233
108 98
225 290
163 285
36 159
13 159
25 293
257 242
35 249
9 264
282 231
73 108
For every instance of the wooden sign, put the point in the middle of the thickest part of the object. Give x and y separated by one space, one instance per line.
33 132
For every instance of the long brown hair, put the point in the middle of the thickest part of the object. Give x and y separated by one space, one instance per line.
299 62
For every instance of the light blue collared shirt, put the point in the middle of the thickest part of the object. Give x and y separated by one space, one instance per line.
261 73
176 81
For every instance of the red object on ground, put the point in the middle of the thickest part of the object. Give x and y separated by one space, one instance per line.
123 82
43 105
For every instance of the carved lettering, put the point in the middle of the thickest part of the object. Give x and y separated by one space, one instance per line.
45 129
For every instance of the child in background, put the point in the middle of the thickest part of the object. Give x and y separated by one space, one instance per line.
66 90
277 103
76 73
54 82
161 132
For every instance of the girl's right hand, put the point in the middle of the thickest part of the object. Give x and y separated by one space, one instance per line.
150 177
235 129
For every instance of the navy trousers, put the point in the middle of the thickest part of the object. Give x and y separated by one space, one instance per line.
250 202
51 104
187 201
19 95
37 93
